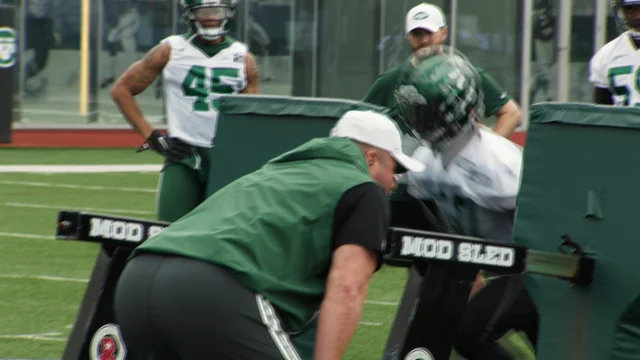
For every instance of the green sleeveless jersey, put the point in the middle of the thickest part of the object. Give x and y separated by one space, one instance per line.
273 227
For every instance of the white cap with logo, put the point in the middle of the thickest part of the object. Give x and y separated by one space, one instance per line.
425 16
377 130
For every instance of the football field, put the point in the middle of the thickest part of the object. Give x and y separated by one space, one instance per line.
42 280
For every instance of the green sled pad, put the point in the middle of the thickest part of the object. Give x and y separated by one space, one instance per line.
580 178
253 129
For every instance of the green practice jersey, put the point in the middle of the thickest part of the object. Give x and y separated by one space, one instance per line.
273 227
382 91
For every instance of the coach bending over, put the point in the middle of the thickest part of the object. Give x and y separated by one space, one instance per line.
269 256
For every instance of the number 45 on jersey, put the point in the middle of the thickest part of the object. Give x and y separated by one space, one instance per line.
201 82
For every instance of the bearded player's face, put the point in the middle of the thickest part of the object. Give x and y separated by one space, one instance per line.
421 38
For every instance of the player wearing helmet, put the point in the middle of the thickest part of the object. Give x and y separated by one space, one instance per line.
614 70
425 26
197 68
474 175
442 104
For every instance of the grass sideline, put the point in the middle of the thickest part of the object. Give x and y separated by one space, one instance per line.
45 276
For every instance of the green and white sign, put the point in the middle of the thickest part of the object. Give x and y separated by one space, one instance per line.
8 47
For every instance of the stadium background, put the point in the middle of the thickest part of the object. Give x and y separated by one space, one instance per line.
317 48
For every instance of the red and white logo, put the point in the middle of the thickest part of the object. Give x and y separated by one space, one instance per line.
107 344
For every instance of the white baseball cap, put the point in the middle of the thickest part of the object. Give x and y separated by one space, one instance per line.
425 16
377 130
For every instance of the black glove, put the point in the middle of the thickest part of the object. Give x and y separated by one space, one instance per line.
171 148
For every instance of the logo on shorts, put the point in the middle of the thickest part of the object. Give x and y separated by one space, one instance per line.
107 344
419 354
8 47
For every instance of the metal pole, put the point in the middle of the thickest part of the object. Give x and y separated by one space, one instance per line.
383 25
525 63
292 43
22 41
85 21
245 36
99 62
175 16
314 48
453 25
563 51
600 24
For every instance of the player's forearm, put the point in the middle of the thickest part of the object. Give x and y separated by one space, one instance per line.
129 108
339 315
507 123
138 77
253 76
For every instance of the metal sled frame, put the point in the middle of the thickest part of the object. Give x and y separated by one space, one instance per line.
442 268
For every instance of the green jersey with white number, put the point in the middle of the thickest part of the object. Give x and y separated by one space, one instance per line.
194 79
616 66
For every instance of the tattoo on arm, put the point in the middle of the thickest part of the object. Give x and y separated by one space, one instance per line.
140 80
253 76
142 73
254 72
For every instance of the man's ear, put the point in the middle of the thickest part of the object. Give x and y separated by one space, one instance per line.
371 157
445 33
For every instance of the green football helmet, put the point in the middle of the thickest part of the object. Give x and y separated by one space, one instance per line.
222 10
621 20
442 96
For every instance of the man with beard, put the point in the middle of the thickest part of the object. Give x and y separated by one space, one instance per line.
425 27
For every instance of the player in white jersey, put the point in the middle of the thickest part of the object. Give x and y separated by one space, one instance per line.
614 70
197 69
473 174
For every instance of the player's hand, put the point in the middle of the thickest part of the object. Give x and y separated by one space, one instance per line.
171 148
478 285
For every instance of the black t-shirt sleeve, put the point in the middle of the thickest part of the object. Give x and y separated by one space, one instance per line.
362 218
602 96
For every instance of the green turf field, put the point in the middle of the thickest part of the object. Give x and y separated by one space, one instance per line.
42 280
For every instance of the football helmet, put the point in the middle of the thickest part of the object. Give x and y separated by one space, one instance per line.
621 20
442 97
219 10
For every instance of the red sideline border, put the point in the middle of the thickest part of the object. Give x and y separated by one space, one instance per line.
73 138
107 138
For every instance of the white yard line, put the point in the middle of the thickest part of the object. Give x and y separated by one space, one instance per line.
44 277
73 186
383 303
79 169
368 323
45 336
62 207
63 278
26 236
40 337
